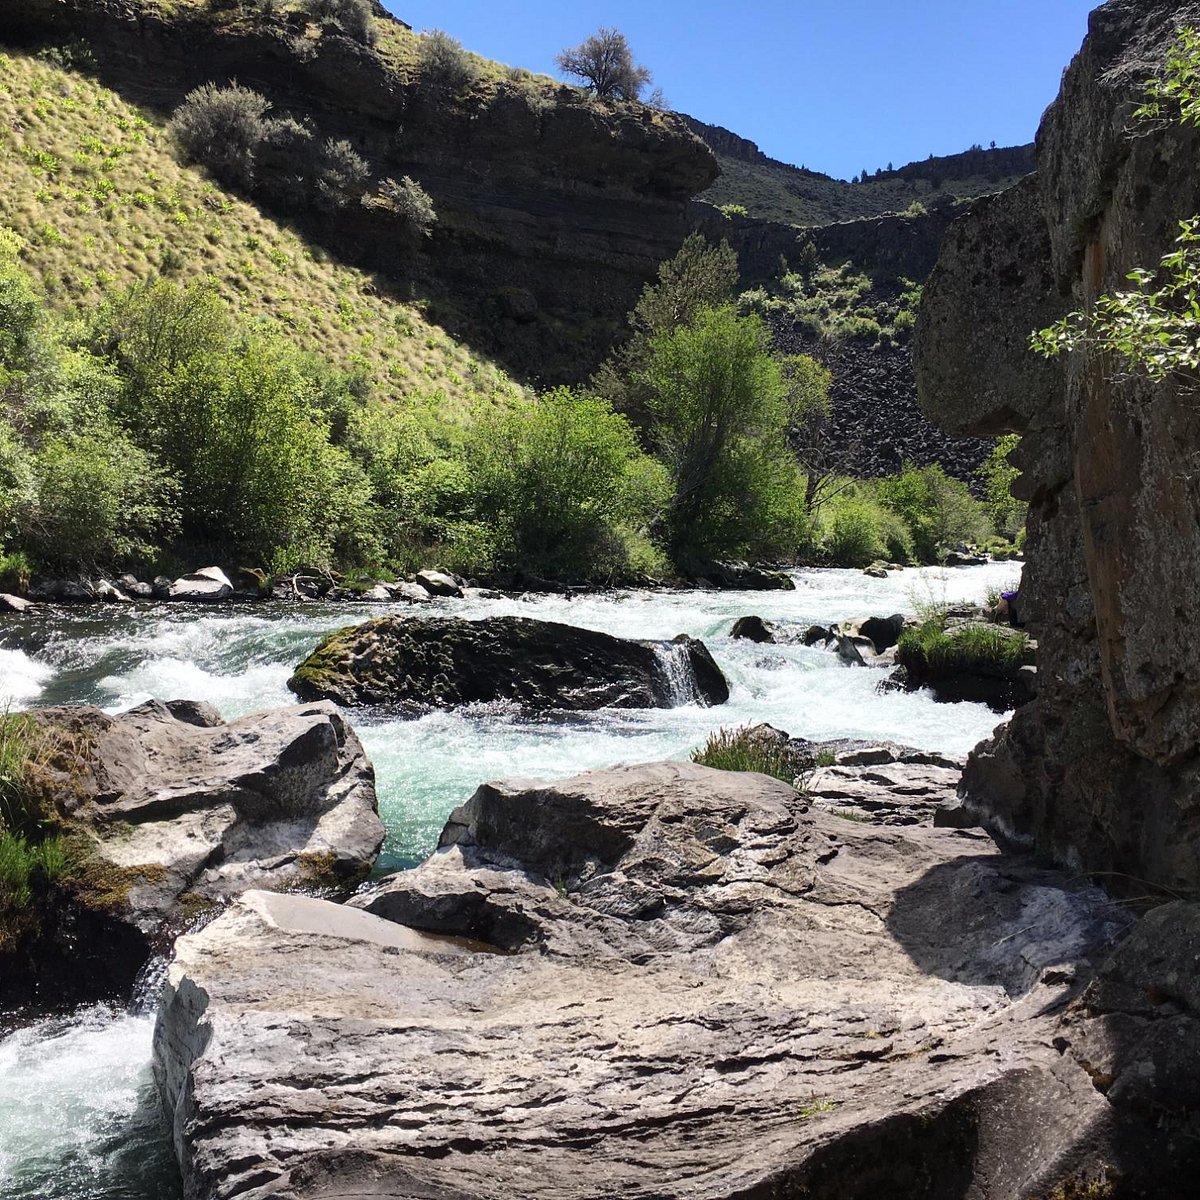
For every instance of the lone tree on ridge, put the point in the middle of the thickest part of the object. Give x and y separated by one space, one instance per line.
605 64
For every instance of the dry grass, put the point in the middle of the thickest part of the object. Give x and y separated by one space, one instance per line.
90 184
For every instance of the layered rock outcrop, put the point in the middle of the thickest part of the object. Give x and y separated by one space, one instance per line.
667 981
553 209
1102 769
440 662
169 811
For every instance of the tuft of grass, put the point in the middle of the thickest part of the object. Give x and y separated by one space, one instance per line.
981 649
816 1107
745 749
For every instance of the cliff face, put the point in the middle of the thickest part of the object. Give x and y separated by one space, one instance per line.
553 210
1102 770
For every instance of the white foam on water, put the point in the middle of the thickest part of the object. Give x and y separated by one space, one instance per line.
22 679
77 1116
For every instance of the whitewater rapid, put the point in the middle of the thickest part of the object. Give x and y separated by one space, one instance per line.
77 1116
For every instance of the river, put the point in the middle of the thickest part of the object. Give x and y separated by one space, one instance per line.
77 1114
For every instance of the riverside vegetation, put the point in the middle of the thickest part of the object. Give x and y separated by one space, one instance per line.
160 424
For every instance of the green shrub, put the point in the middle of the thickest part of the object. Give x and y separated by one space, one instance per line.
939 511
931 649
411 204
445 65
717 401
747 749
99 499
998 475
354 17
850 533
566 486
222 127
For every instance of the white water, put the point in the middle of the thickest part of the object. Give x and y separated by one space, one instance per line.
72 1094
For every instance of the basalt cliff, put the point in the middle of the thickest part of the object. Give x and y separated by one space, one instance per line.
1102 770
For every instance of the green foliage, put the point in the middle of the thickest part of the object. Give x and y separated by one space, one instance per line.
998 476
1174 94
354 17
567 488
980 649
746 749
717 403
99 498
699 276
728 211
223 128
851 533
1153 326
411 204
939 512
445 65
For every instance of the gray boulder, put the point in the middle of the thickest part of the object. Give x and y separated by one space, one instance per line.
656 981
14 604
172 812
438 583
205 586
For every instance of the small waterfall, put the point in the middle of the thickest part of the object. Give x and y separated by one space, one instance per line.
146 987
676 665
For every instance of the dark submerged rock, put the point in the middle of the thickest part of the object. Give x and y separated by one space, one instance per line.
752 629
539 665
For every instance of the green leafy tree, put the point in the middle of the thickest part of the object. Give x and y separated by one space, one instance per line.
718 404
699 276
940 512
571 492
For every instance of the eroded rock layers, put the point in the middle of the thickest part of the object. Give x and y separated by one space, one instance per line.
1102 768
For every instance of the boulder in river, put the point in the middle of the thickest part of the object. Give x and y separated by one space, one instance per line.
167 811
205 586
752 629
14 604
438 583
444 662
668 981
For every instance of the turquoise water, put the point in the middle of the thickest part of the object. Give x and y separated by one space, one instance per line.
77 1114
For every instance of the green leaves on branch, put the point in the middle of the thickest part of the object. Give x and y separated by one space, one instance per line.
1175 93
1155 325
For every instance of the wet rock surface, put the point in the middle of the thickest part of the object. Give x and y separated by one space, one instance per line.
539 665
666 981
175 812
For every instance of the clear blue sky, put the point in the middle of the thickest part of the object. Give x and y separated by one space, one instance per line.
835 85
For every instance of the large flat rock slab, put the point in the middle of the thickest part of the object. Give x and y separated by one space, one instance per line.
654 981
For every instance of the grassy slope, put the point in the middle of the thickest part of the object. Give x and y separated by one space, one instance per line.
774 192
90 183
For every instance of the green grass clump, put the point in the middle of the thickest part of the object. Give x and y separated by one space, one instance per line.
746 749
931 649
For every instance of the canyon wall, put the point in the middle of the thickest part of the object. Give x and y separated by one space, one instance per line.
1102 770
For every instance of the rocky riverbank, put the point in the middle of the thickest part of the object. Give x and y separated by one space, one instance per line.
162 815
665 980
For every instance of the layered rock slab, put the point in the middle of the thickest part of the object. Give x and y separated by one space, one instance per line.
438 662
172 811
654 981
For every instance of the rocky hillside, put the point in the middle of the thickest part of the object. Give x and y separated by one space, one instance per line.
778 191
552 209
1102 769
